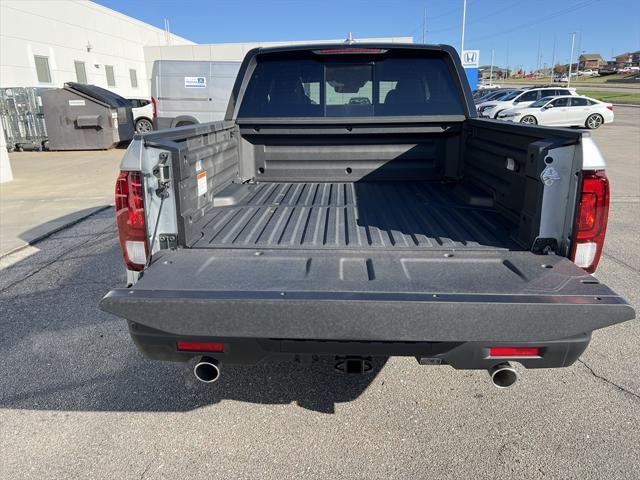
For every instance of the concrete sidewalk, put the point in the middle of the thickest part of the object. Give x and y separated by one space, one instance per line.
53 189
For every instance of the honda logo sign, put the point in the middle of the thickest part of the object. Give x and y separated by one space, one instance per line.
471 58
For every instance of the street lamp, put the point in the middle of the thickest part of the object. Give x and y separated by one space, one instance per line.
573 39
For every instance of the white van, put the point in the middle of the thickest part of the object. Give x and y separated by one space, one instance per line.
186 92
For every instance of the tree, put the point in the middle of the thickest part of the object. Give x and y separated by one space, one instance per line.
559 69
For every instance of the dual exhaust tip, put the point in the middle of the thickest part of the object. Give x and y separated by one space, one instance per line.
503 375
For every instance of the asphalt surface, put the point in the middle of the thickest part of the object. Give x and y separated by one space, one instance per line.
78 401
51 190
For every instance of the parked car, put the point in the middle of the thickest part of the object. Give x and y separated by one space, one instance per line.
493 95
142 110
588 73
305 225
187 92
561 78
520 98
564 111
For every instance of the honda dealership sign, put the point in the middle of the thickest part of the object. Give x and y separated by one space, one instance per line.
471 62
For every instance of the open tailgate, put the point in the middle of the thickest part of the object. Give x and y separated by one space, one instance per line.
368 296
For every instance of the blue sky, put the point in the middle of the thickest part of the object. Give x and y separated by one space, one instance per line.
512 28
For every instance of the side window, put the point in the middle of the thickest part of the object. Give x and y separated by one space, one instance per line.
563 92
579 102
81 72
531 96
561 102
111 78
133 76
312 90
143 103
135 103
548 93
42 69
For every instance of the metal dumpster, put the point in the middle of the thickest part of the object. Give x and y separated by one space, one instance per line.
86 117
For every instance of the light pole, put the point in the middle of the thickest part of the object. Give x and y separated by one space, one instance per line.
464 20
573 39
491 71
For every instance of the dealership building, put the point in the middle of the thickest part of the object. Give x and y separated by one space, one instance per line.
45 43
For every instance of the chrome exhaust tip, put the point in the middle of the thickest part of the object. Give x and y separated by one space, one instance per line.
503 375
207 370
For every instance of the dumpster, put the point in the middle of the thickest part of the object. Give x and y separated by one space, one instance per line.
86 117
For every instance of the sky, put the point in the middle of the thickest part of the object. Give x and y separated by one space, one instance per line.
521 33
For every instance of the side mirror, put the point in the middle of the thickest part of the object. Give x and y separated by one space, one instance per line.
549 105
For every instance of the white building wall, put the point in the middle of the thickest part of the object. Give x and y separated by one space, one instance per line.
234 51
62 30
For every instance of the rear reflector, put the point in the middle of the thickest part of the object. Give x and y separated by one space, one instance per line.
514 351
591 220
348 50
200 346
130 219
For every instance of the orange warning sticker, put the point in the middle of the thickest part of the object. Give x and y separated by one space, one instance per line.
201 177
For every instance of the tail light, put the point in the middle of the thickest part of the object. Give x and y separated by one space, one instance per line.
154 104
610 107
130 219
591 220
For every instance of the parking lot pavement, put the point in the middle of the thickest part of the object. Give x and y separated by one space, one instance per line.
53 189
78 400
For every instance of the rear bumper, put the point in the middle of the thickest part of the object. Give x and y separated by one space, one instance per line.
158 345
401 302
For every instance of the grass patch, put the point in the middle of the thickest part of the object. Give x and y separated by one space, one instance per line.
612 97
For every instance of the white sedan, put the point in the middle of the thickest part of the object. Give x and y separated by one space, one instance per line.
563 111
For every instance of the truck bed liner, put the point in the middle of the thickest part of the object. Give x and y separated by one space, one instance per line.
385 215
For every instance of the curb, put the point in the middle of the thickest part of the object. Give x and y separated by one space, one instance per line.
59 228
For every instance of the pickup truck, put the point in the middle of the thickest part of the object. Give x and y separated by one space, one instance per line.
352 206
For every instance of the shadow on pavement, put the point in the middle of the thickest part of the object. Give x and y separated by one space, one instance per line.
60 352
46 229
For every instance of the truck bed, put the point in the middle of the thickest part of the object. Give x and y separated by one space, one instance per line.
381 215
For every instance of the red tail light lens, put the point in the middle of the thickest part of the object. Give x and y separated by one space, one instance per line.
200 346
155 107
514 351
591 220
130 219
610 107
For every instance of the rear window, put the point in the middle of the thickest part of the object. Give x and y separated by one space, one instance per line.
353 87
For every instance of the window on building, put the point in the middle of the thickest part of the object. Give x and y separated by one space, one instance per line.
42 69
81 72
111 78
134 77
